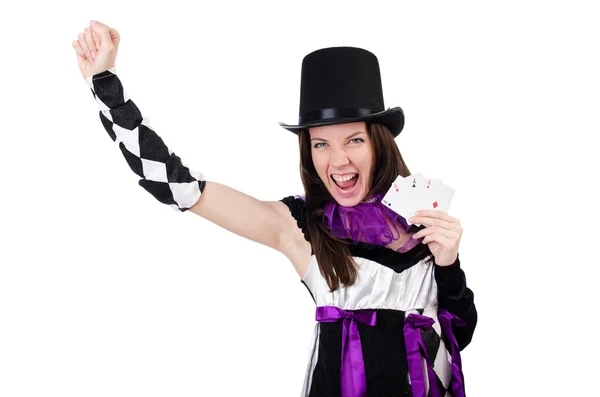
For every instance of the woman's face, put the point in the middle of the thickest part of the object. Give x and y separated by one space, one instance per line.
342 155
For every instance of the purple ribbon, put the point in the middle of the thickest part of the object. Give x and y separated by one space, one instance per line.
415 346
446 320
352 376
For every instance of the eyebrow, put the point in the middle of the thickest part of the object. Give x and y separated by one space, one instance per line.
348 137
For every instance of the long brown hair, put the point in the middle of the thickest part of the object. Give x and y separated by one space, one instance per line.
333 256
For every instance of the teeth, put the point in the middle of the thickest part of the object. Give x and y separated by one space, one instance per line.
343 178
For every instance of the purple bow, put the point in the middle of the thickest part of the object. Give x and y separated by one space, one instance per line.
352 376
415 346
446 320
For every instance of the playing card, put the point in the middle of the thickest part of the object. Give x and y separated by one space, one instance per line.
440 198
410 183
430 183
415 192
411 191
431 187
403 195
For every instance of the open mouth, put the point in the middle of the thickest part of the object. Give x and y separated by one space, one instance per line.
345 182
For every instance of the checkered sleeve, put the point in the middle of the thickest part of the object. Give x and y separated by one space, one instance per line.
161 171
457 298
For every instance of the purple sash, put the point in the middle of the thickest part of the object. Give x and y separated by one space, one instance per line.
446 319
352 376
415 346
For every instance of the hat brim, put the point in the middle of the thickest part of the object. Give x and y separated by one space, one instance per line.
392 118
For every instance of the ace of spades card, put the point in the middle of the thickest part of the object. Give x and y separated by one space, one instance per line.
409 194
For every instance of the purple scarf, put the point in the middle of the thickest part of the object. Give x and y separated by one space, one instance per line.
366 222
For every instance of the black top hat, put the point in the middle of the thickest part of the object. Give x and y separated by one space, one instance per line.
343 85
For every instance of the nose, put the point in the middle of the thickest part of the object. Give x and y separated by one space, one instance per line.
339 159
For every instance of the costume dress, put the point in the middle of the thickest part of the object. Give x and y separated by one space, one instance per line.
405 291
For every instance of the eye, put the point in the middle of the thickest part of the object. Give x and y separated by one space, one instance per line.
357 139
316 146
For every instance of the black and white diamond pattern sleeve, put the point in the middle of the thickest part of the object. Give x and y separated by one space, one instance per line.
458 299
161 171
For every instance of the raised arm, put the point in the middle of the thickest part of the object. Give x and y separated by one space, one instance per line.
162 173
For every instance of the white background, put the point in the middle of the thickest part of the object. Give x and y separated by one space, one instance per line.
106 292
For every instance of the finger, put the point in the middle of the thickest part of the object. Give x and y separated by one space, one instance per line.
103 34
436 229
88 38
83 44
78 49
95 38
451 234
443 240
438 214
100 27
428 221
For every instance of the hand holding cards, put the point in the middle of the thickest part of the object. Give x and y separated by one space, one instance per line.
415 192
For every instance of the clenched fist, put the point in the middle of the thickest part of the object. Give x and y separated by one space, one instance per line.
96 48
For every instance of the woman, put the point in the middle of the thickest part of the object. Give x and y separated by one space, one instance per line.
393 308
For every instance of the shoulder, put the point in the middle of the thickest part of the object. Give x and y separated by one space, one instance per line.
296 245
298 210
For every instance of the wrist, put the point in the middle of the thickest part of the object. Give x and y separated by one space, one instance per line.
107 89
98 75
447 264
